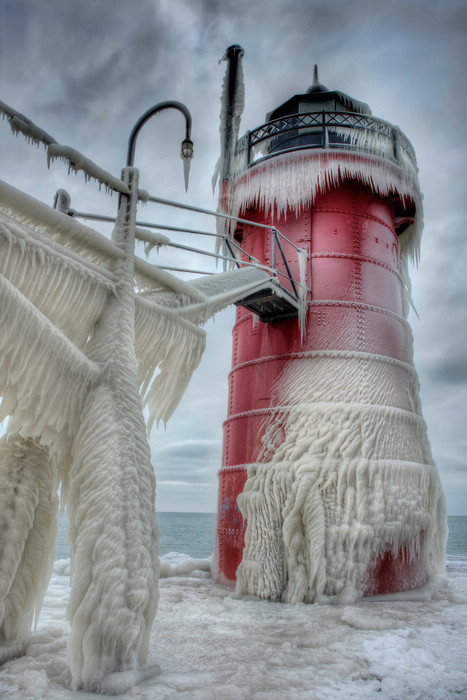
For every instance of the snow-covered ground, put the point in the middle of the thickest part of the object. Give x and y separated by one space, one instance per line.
209 643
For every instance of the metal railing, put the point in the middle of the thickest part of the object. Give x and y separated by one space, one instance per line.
326 130
232 253
294 286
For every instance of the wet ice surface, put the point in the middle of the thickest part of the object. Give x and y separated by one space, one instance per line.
208 643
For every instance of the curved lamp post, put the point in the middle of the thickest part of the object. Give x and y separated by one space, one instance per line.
124 444
187 144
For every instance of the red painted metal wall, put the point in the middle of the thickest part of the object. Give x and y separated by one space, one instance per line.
356 304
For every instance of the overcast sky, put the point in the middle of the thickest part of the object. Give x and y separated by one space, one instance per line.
85 70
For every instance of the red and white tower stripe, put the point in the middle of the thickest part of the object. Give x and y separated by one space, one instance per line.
328 487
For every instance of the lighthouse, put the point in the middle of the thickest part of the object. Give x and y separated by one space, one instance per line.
328 489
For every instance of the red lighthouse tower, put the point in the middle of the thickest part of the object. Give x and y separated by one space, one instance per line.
327 487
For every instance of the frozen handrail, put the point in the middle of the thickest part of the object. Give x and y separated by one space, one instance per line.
249 262
298 288
210 212
182 229
21 124
76 161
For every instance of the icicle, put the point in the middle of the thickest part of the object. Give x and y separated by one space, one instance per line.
43 376
152 239
21 124
70 291
291 181
28 528
232 105
169 345
76 162
168 350
375 143
302 258
186 171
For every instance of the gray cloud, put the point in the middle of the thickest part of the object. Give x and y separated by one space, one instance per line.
85 70
449 370
191 459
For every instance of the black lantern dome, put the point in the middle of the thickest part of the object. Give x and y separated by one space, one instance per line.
318 98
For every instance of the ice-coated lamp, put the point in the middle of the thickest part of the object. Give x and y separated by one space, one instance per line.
187 144
187 149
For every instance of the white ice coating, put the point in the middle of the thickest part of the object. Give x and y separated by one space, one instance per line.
153 239
77 162
346 474
113 535
28 523
230 118
37 217
111 495
44 377
231 112
292 180
81 353
68 381
232 106
21 124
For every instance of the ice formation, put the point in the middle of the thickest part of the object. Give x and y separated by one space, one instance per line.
28 525
346 474
69 385
19 123
81 353
232 105
77 162
290 182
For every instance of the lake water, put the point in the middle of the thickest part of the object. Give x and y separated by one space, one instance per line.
195 534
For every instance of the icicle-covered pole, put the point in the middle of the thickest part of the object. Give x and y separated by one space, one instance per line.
113 530
233 100
111 498
232 103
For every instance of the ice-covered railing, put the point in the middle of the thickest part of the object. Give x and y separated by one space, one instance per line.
20 124
328 130
231 254
234 255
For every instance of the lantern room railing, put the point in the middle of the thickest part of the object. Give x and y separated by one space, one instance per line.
325 130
